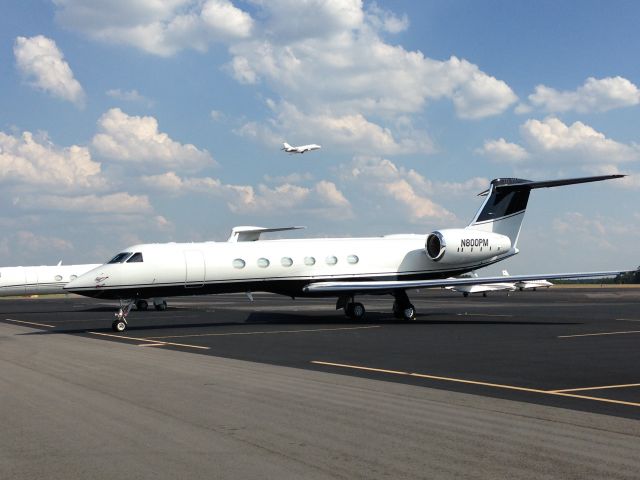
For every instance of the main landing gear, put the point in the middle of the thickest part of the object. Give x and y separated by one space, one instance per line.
403 309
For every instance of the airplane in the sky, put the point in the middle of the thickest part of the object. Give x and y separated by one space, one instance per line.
301 149
50 280
327 267
482 288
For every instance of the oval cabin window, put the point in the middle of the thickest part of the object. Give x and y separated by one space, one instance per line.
286 262
331 260
58 278
353 259
263 262
238 263
309 261
73 277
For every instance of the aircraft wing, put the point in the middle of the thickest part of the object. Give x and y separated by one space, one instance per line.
382 286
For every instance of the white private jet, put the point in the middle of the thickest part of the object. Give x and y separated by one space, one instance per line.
40 280
50 280
533 285
326 267
482 288
301 149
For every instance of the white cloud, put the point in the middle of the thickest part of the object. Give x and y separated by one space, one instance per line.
137 140
595 95
577 141
156 27
385 20
42 63
36 161
129 96
380 177
322 198
550 140
120 203
352 131
502 150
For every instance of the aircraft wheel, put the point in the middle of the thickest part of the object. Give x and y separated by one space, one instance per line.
142 305
409 312
465 294
484 294
522 289
535 289
118 326
355 311
161 306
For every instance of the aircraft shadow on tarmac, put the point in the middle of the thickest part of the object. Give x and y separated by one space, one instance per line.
302 320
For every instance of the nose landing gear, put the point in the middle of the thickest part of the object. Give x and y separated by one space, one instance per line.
120 323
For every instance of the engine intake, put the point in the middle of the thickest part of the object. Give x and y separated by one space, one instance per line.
465 245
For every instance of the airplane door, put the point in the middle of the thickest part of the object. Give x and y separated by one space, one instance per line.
195 270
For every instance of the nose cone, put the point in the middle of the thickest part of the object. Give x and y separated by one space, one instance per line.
88 284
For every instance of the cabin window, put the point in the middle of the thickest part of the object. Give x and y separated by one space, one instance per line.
135 258
263 262
73 277
286 262
331 260
58 278
353 259
309 261
238 263
120 258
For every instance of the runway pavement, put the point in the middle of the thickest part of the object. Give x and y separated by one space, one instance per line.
533 385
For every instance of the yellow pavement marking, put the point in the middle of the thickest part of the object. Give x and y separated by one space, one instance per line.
605 387
559 393
267 332
31 323
599 334
148 340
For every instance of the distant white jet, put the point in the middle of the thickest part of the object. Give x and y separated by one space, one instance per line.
533 285
301 149
466 290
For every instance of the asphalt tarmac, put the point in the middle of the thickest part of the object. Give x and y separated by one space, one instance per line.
539 384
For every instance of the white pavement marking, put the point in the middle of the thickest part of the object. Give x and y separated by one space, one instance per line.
599 334
145 340
267 333
30 323
474 382
628 319
482 315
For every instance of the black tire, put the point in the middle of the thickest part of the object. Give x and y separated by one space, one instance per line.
357 311
484 294
142 305
118 326
409 312
465 294
161 307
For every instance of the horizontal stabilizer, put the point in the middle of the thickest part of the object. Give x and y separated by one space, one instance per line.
387 286
504 185
251 234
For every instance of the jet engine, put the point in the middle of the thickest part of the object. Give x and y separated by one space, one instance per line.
457 246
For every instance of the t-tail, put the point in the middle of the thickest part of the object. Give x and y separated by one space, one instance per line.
503 210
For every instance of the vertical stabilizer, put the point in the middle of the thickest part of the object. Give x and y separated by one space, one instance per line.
503 210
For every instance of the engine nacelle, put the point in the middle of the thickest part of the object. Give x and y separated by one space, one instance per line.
457 246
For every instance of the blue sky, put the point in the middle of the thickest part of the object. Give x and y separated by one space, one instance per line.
145 121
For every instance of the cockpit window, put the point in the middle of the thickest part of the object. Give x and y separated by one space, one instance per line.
120 258
136 257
